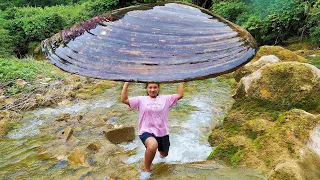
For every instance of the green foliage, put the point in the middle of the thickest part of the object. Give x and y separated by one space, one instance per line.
26 25
274 21
6 47
34 3
26 69
96 7
230 10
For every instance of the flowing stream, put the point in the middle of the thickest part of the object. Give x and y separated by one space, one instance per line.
31 149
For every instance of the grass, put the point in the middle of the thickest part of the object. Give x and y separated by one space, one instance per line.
314 60
27 69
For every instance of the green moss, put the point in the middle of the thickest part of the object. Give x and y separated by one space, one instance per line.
267 162
26 69
225 152
252 134
236 158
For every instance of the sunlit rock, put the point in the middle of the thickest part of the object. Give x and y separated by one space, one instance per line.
2 99
65 102
79 117
284 84
47 79
314 142
287 170
75 78
63 117
9 100
281 53
65 134
42 154
77 157
21 83
120 134
254 66
95 146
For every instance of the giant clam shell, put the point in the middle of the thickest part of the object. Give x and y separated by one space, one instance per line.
163 42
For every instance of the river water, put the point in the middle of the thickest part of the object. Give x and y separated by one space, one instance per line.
31 149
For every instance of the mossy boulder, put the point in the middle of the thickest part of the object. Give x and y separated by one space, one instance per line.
254 66
283 85
281 53
278 148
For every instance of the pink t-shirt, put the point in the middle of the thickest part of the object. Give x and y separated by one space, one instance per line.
153 113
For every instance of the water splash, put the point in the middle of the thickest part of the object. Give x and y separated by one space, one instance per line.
34 119
314 144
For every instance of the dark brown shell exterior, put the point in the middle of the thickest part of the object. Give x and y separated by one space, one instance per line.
163 42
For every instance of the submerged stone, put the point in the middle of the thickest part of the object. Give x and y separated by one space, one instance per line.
77 157
163 42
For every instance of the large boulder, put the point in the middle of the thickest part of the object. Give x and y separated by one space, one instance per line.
281 53
119 135
277 148
285 84
254 66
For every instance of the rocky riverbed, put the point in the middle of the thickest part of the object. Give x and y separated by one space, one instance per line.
263 121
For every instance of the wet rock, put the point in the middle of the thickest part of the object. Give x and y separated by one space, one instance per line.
6 118
285 84
77 157
77 85
47 79
42 154
119 135
63 117
4 124
75 78
89 80
79 117
2 99
77 129
9 100
95 146
21 83
65 134
287 170
39 98
65 103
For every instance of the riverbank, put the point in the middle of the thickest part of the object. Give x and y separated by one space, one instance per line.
273 123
